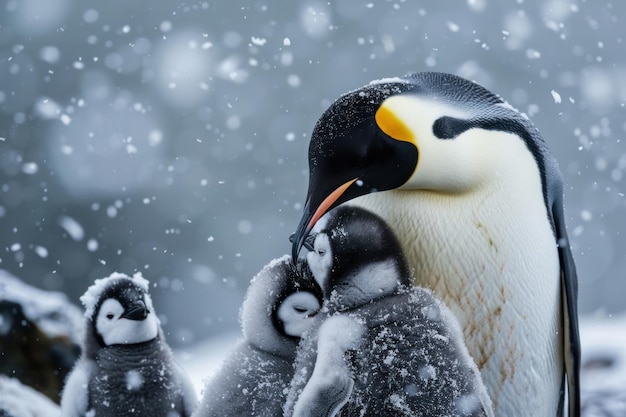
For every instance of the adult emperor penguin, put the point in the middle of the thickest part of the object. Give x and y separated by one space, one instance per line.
279 306
475 197
126 368
380 347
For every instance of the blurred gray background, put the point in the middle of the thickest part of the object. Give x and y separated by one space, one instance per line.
170 137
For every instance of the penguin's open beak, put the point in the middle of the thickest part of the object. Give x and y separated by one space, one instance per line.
138 311
315 207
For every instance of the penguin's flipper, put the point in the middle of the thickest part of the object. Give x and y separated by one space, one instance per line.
75 395
569 306
324 398
331 382
190 398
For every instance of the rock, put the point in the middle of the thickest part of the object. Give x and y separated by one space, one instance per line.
39 335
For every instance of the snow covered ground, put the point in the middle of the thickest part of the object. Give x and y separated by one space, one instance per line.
603 354
603 371
603 363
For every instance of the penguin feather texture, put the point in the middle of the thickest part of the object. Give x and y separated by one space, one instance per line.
379 346
253 379
126 367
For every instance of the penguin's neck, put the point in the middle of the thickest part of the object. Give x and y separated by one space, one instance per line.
364 285
134 355
493 231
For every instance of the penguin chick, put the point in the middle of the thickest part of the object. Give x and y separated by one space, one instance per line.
380 347
279 306
126 367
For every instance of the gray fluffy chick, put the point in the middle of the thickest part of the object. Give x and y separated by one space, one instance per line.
380 347
279 305
126 367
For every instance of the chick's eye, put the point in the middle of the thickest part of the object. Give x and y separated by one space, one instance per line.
110 316
299 309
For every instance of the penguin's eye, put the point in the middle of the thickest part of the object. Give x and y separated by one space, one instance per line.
299 309
110 316
320 252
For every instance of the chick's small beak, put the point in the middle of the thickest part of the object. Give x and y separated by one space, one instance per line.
138 311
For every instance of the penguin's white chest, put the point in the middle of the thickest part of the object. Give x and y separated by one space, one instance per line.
491 255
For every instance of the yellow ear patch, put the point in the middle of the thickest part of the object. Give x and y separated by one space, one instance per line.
389 123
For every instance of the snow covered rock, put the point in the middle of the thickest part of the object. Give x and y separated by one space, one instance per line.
19 400
39 334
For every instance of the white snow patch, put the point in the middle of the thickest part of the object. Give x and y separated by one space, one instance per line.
134 380
92 245
41 251
519 28
258 41
603 358
202 360
453 27
50 54
533 54
47 108
244 227
293 80
30 168
427 372
315 19
19 400
598 88
51 311
467 404
477 5
91 16
72 227
65 119
556 96
389 81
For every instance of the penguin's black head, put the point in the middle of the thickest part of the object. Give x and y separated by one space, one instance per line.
373 139
123 314
279 305
299 299
130 296
352 153
356 249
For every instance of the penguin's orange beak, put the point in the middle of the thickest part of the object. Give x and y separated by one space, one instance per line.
313 212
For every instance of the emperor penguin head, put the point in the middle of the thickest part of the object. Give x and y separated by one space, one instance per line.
356 257
426 131
121 313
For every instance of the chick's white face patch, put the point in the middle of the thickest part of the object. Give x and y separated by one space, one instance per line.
320 259
116 330
297 311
